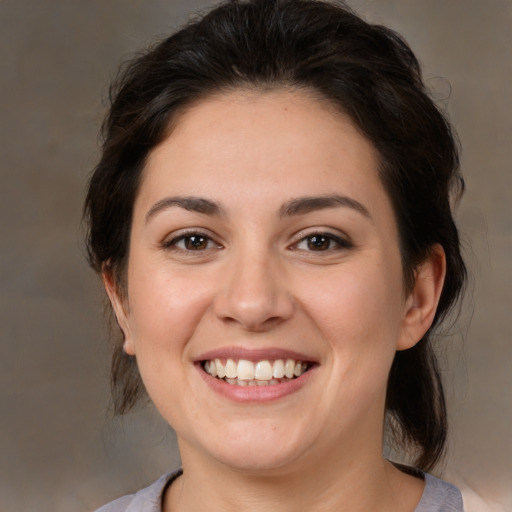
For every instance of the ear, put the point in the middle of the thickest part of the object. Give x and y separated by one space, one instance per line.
119 304
421 304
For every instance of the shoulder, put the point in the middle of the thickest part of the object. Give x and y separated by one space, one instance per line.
439 496
146 500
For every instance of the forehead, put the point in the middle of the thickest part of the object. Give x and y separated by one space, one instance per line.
269 136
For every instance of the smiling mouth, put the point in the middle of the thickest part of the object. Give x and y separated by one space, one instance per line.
243 372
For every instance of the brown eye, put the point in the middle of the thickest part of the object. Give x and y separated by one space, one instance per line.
195 242
322 242
319 243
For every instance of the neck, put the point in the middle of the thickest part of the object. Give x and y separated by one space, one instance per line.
364 484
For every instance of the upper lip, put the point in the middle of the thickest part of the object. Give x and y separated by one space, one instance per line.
254 354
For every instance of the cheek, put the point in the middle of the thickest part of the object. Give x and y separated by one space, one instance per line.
359 314
364 303
165 308
164 314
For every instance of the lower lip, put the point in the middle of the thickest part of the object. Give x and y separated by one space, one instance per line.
259 394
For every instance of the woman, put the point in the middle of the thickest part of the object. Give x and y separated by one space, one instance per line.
271 218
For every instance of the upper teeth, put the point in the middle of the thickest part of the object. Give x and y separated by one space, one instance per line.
260 370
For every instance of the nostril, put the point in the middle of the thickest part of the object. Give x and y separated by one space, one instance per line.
254 315
253 293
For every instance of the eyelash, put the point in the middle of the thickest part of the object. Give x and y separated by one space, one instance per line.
331 239
334 242
173 244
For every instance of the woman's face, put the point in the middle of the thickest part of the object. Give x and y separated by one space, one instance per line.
263 240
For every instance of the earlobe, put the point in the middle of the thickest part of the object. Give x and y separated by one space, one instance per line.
120 307
421 304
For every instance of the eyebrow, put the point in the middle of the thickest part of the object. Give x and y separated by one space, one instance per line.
190 203
303 205
299 206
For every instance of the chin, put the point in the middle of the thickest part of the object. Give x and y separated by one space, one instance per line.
256 448
257 460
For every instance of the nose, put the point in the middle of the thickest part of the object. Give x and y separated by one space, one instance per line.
254 294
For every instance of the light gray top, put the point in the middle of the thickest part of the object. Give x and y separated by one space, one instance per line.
438 496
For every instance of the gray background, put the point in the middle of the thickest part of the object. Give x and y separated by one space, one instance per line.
59 449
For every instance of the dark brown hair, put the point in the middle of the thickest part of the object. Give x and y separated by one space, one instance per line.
366 71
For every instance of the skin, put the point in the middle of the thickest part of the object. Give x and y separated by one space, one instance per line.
258 281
